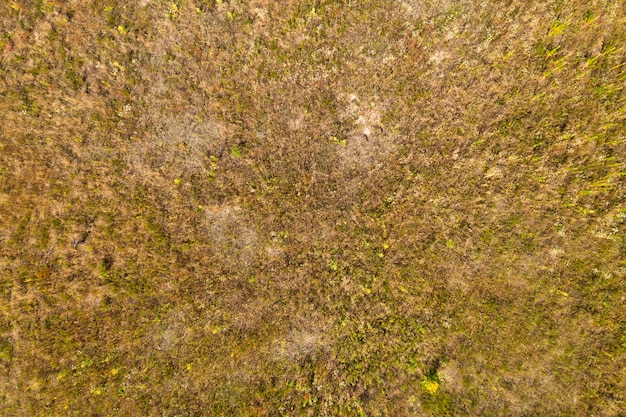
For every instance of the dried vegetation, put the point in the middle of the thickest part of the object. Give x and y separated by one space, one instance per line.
325 207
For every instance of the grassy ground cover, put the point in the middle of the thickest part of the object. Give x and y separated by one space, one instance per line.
312 208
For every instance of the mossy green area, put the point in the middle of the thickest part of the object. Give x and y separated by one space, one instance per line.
312 208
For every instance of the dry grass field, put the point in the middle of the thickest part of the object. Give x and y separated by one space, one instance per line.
312 208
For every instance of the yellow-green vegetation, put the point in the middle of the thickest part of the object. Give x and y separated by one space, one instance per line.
312 208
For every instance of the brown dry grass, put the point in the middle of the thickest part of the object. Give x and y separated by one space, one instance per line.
312 208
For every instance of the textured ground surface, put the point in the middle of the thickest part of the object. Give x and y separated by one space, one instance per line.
315 208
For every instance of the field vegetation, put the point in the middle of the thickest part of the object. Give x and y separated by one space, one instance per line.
312 208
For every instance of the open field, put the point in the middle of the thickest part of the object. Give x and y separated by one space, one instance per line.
312 208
